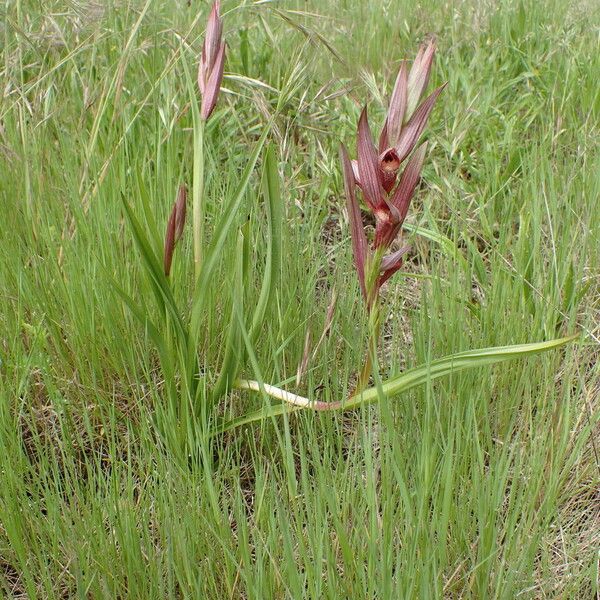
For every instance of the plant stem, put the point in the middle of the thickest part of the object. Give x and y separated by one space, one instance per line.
374 329
197 195
374 310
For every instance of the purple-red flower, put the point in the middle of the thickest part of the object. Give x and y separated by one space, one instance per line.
175 227
210 70
376 170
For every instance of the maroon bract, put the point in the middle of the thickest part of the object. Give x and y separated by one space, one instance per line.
357 232
210 70
175 227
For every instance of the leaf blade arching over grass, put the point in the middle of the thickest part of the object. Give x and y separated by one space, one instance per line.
441 367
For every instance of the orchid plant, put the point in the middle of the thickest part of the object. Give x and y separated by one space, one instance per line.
386 190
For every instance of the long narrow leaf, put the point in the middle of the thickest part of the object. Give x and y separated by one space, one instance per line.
274 207
394 386
160 284
233 346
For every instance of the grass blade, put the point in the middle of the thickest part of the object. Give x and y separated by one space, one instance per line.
446 243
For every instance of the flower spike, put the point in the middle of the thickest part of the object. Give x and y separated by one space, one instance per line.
376 173
210 70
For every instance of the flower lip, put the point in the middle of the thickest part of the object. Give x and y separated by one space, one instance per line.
389 160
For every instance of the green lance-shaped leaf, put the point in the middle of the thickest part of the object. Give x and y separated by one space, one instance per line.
154 268
274 208
394 386
234 341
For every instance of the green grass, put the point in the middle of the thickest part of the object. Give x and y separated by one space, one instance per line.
481 485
